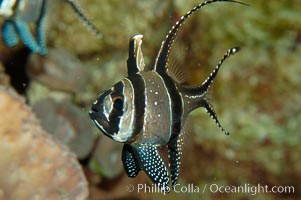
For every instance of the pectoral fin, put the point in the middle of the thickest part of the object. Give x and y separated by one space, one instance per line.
151 162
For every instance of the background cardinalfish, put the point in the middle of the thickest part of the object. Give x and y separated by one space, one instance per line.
149 108
19 14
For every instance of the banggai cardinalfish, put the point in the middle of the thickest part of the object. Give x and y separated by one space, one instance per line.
149 108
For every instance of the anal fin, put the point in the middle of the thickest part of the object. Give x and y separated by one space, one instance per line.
174 154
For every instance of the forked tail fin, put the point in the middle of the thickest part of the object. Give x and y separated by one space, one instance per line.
209 80
195 97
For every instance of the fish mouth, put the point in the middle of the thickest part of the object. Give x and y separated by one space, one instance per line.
99 119
93 110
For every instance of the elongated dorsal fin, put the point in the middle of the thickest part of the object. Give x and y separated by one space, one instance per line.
162 57
135 62
83 17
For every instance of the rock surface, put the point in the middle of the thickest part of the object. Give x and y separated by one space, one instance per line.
33 165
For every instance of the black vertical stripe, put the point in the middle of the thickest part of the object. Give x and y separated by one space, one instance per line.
114 117
176 105
139 100
131 62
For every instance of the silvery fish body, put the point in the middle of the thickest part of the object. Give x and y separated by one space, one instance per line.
149 108
19 14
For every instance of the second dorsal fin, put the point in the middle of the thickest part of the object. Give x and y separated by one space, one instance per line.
177 72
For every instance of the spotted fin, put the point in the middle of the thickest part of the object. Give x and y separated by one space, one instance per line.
151 162
130 164
9 35
41 30
135 62
208 82
174 153
211 112
26 36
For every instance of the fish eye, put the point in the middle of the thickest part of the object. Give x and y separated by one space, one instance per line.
118 103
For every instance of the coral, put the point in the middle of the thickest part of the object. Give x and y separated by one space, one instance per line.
32 164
